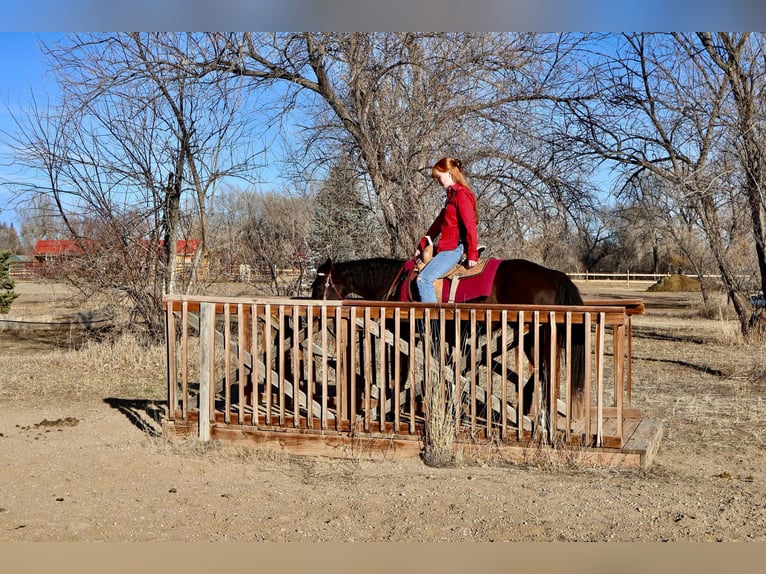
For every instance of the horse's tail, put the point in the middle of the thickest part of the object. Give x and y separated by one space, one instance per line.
567 293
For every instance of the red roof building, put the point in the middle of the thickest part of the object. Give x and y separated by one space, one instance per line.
48 248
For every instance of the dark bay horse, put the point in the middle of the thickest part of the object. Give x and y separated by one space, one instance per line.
516 282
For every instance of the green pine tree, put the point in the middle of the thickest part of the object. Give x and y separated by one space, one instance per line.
7 294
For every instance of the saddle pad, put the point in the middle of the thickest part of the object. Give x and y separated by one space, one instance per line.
468 288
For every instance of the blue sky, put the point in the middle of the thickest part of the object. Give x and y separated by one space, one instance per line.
23 71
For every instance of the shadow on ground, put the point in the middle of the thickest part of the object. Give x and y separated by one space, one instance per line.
145 415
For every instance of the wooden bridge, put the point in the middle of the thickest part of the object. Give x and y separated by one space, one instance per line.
357 378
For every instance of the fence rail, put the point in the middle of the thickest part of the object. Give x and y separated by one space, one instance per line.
627 276
377 369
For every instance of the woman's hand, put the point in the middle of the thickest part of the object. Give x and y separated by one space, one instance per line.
472 263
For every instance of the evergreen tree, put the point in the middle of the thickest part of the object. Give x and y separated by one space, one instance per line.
9 239
7 294
344 225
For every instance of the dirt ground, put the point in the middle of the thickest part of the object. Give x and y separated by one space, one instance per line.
81 457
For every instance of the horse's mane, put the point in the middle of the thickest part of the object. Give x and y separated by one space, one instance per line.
367 277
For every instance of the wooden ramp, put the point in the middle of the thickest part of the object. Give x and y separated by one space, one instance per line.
353 378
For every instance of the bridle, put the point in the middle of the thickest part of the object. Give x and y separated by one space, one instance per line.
330 284
394 284
327 284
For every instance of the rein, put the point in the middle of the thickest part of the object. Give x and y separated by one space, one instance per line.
393 284
329 283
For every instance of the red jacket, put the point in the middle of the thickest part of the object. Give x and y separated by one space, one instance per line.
456 222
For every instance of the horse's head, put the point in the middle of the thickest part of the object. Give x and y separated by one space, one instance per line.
322 287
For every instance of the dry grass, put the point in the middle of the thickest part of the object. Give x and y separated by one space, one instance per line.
119 367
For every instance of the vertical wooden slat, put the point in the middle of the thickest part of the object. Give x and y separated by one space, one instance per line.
325 360
457 355
185 359
310 366
396 402
600 380
553 378
296 324
207 370
520 375
268 346
442 341
629 382
427 361
226 364
474 377
587 319
618 335
382 379
341 369
536 363
504 374
411 365
281 359
340 365
254 358
352 368
568 378
367 359
241 345
488 395
170 357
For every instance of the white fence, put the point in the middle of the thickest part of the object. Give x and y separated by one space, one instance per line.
627 276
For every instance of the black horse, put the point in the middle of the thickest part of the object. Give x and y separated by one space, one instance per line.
516 282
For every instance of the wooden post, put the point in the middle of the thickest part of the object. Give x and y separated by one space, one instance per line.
207 368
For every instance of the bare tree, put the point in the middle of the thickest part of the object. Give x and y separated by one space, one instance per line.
679 107
136 143
275 236
398 102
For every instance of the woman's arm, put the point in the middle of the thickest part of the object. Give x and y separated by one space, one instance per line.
467 212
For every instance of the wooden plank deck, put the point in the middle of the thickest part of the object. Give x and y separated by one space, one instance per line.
307 437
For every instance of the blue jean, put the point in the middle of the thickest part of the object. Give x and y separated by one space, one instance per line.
439 266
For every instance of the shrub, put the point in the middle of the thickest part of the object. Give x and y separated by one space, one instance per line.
7 294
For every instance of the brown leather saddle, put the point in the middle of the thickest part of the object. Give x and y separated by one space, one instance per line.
454 275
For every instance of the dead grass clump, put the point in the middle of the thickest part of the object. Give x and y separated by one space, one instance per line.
717 312
675 284
561 457
442 422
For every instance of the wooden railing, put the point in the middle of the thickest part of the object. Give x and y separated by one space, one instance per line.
360 368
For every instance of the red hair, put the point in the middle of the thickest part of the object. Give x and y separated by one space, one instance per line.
452 166
455 168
